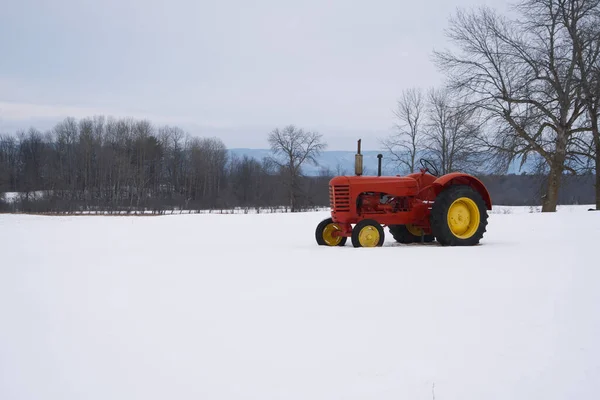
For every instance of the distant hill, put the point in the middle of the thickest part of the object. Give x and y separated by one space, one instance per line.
342 162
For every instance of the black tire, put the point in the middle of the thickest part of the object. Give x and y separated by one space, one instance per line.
439 216
368 224
402 235
320 231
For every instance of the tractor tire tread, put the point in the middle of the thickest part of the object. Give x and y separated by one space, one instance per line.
439 210
401 234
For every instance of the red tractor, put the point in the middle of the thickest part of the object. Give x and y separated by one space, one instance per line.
419 207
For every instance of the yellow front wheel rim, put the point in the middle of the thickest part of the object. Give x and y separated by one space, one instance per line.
368 236
463 218
328 235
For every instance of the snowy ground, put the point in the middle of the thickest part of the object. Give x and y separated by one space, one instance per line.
249 307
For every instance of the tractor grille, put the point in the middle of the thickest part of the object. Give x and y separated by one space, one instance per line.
339 197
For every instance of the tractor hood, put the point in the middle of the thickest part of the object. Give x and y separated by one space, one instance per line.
387 184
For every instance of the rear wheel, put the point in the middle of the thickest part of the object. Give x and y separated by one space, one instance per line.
459 216
409 234
368 233
324 234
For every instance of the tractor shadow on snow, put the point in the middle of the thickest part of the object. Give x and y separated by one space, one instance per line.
396 244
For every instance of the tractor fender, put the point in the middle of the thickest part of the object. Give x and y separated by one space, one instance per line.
459 178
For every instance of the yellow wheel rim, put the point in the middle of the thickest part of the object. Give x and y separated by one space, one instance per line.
328 235
463 218
414 230
368 236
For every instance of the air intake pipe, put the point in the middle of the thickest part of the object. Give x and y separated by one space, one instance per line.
358 161
379 157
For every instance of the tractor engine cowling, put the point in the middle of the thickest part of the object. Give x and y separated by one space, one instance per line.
391 200
380 203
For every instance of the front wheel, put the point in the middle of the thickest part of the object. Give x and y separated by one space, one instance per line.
368 233
459 216
324 234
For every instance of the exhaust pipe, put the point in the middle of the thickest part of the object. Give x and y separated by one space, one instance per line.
379 156
358 161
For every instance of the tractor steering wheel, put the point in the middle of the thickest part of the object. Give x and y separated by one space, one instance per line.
428 165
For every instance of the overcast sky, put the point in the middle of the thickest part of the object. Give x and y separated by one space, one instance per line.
229 68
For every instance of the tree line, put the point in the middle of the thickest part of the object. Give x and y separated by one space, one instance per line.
124 165
522 88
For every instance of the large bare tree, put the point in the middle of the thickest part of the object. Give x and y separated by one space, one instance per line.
435 126
451 133
292 147
405 144
524 76
581 19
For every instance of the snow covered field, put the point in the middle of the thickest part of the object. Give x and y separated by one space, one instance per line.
249 307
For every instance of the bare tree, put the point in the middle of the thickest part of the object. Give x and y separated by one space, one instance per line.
522 75
340 170
291 148
406 142
33 158
581 19
9 163
451 134
172 139
66 134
